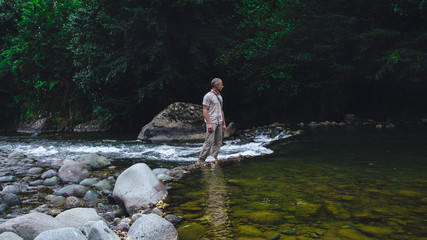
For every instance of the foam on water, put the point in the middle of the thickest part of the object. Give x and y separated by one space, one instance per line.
45 149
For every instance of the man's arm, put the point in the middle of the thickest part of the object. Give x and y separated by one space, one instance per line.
206 116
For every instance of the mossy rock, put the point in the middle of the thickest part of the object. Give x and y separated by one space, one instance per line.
305 210
191 231
351 234
380 232
408 193
250 231
265 218
337 210
192 206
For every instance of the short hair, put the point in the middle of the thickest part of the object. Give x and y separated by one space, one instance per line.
215 81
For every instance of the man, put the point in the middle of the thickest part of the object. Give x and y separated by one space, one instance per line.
215 121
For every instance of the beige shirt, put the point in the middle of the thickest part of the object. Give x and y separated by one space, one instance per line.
214 102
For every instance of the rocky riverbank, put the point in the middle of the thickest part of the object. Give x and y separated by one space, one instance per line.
87 192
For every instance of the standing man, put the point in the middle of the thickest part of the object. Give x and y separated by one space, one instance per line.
215 121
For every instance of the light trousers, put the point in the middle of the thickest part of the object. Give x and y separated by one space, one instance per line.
213 143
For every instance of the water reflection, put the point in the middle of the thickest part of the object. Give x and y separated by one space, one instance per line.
217 204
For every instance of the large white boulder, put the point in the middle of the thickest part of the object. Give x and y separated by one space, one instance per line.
138 187
152 227
77 216
67 233
30 225
72 171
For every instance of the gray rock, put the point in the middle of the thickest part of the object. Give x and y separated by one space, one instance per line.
50 173
66 191
77 216
36 183
90 126
91 196
3 208
34 127
58 201
53 181
136 216
68 233
93 161
57 164
16 155
30 225
89 182
7 179
152 227
35 170
178 122
10 236
176 173
164 177
11 199
73 172
98 231
73 202
138 187
158 212
351 119
80 191
231 130
175 220
122 227
11 189
104 185
158 171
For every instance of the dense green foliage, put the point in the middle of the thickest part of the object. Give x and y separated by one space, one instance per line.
123 61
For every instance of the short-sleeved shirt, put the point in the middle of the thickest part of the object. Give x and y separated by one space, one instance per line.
214 102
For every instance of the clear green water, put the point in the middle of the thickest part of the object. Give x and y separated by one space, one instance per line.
360 183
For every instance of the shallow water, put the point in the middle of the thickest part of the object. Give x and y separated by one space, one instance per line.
362 183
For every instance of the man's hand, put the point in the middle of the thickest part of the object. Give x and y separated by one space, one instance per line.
210 127
224 128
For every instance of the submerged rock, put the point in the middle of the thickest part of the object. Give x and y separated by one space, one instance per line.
178 122
191 231
265 218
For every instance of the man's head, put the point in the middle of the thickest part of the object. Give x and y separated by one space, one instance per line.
216 84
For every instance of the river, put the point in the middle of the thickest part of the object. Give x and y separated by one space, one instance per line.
336 183
343 183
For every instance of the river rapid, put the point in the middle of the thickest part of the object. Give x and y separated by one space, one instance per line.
125 149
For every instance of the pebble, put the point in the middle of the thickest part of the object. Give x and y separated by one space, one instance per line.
53 181
175 220
7 179
50 173
35 170
11 199
36 183
58 201
11 189
91 196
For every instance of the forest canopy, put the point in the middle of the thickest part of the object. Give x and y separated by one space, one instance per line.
123 61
